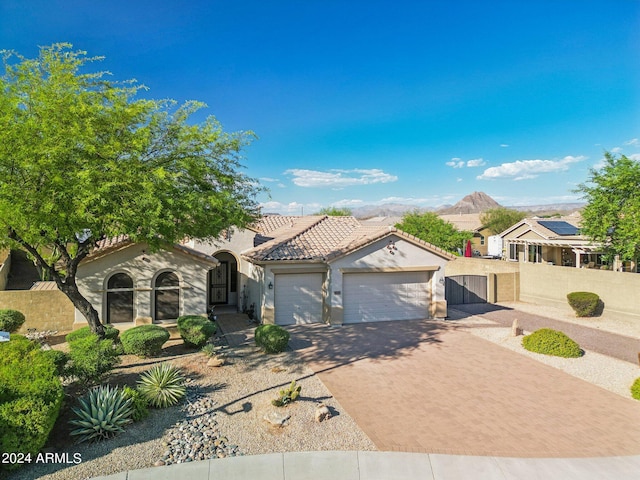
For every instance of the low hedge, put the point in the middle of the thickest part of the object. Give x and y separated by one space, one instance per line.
30 397
271 338
552 342
91 358
585 304
109 332
635 389
195 330
10 320
145 340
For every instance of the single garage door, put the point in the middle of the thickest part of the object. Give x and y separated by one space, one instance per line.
377 297
298 298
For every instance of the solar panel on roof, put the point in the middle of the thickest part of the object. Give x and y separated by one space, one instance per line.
560 227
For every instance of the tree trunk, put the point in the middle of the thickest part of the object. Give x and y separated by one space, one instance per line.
70 289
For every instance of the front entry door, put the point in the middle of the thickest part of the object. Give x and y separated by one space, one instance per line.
218 287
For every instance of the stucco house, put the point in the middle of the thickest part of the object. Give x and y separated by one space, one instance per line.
470 222
288 269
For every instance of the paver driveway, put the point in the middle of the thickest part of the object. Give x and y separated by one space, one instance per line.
425 386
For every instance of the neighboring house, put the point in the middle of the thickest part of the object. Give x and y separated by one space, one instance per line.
336 270
552 241
288 269
470 222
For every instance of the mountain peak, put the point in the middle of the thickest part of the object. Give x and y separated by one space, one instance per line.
476 202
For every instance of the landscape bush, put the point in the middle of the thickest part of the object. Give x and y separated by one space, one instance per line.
91 359
271 338
30 397
110 333
10 320
145 340
59 358
552 342
585 304
635 389
139 404
195 330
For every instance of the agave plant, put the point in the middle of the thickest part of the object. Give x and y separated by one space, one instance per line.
103 413
162 385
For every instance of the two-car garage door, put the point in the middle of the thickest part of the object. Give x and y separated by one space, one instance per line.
376 296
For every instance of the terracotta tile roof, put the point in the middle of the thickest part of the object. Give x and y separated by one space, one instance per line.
464 221
325 238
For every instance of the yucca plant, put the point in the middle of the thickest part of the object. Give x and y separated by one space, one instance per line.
162 385
103 413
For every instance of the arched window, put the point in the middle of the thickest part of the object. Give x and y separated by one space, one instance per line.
119 298
167 296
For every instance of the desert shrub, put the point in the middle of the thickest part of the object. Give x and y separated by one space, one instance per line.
109 332
635 389
551 342
91 358
195 330
139 403
11 320
59 358
103 413
585 304
271 338
145 340
209 350
162 386
287 395
30 396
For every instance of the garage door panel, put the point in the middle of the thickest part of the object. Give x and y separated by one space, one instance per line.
298 298
371 297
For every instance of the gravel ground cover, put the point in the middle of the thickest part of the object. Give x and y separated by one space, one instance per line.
222 416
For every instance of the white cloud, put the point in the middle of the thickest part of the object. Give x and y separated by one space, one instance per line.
336 178
476 162
634 156
347 202
456 163
268 179
525 169
504 145
616 149
291 208
458 179
633 142
403 200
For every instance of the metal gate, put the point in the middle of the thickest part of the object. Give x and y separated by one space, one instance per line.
466 289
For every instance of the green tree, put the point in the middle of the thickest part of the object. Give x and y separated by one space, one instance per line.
431 228
498 219
82 159
612 214
335 212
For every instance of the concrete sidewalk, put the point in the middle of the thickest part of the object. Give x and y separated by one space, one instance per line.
391 466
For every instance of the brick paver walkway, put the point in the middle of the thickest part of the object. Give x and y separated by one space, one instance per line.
424 386
611 344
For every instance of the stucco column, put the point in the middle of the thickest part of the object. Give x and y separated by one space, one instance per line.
578 258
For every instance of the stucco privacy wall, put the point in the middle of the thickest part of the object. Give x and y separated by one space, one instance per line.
503 278
143 267
407 255
549 284
43 309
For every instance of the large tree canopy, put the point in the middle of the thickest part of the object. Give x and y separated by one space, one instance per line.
431 228
497 220
612 214
83 158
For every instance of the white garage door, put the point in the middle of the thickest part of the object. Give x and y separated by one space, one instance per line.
298 298
377 297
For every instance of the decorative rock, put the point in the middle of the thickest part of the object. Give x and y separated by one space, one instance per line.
515 329
276 418
322 412
159 463
215 362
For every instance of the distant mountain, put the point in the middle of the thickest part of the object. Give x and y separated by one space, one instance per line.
476 202
550 209
385 210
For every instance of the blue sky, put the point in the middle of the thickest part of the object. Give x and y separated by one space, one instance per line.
374 102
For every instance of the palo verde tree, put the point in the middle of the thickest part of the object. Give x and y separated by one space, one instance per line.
498 219
431 228
335 211
612 214
82 158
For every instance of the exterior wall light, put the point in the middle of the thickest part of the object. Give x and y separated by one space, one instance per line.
270 285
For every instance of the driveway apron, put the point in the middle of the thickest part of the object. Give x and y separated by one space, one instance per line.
426 386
